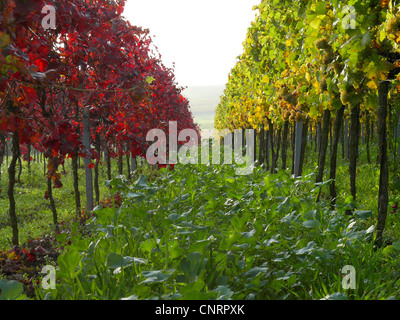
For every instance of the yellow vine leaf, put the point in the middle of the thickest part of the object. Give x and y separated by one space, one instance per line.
372 85
316 85
303 69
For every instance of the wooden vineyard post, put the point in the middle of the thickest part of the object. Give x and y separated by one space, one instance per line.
303 145
398 137
255 145
11 185
353 148
383 198
285 134
336 137
346 138
292 146
297 148
50 195
133 164
368 134
87 160
96 169
266 145
262 146
323 145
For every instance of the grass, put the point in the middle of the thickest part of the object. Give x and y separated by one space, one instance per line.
367 182
33 210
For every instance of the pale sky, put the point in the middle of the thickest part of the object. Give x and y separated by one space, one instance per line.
202 37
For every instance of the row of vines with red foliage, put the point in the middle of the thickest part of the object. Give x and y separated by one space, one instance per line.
94 64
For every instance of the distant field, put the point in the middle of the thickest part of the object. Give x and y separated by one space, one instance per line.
203 102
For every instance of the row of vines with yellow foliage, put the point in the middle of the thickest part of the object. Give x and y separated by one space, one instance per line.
314 62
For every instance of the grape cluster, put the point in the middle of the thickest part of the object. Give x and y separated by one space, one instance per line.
322 44
392 28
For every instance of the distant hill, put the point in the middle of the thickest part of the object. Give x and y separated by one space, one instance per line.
203 102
